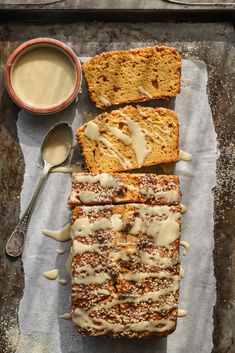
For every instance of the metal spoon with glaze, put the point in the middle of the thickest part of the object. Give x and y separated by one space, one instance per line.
55 149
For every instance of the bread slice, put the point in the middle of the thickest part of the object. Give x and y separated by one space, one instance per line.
135 75
100 189
130 138
125 270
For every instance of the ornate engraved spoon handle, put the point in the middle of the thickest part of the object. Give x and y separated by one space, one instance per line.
15 243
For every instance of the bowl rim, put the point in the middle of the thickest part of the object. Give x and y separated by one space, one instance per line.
30 43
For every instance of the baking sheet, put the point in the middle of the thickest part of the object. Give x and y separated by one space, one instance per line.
43 300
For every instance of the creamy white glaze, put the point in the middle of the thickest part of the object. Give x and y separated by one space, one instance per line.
61 235
183 208
140 276
164 232
104 101
185 156
82 319
98 278
181 272
60 251
104 179
87 196
186 246
65 316
182 313
120 135
63 281
172 196
56 147
137 137
52 274
43 77
80 248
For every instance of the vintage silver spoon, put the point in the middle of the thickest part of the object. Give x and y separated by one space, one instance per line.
55 149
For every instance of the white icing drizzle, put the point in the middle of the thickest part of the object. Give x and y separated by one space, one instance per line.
100 292
183 208
65 316
104 101
138 141
185 245
88 270
82 226
105 180
140 276
116 222
170 195
62 234
143 91
119 255
185 156
182 313
153 296
87 196
120 135
52 274
157 260
92 133
164 232
82 319
137 227
98 278
60 251
80 248
181 272
63 281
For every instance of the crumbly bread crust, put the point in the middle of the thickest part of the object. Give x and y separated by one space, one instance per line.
101 189
130 138
124 283
134 75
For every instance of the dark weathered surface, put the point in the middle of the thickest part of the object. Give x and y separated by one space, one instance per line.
121 4
212 43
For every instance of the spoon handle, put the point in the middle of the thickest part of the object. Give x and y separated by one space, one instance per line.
15 243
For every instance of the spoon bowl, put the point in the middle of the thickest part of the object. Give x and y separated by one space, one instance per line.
57 144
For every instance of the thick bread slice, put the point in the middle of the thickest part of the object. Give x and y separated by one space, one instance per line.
135 75
130 138
125 270
100 189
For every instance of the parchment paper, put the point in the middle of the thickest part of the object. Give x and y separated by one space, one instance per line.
43 300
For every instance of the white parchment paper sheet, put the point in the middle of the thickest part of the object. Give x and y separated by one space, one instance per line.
43 300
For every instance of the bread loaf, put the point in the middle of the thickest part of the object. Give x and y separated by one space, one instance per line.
134 75
100 189
129 138
125 269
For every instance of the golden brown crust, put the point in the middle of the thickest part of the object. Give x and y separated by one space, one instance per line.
161 80
160 127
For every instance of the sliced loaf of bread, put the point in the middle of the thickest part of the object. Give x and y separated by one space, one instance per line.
104 188
130 138
134 75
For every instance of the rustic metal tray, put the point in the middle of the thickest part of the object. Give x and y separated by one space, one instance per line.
211 41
